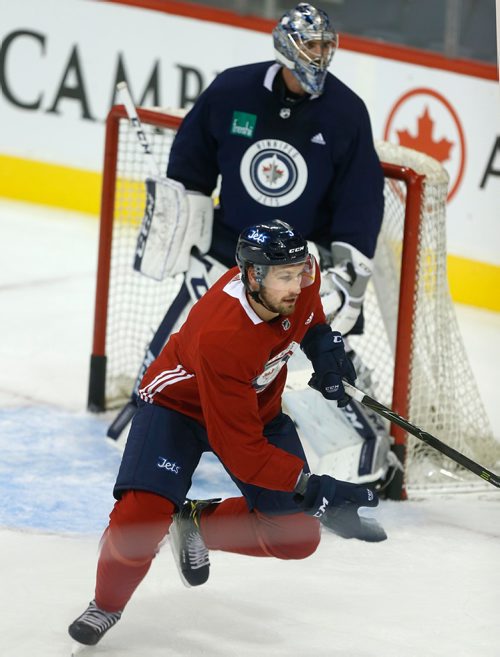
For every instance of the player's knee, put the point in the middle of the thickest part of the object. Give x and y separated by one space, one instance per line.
307 539
138 523
293 536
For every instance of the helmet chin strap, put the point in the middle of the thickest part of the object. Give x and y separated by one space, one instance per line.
255 294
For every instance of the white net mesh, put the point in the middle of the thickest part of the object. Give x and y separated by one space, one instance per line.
136 304
443 396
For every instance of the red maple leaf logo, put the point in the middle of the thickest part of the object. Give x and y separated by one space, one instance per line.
424 142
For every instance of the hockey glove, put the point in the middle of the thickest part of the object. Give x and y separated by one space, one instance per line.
325 349
344 520
317 494
335 503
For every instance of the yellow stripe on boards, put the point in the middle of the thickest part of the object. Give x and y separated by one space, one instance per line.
474 283
50 184
471 282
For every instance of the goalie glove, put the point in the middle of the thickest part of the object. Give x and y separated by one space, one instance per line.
343 286
175 220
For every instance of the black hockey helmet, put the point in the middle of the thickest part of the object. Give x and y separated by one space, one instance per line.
269 244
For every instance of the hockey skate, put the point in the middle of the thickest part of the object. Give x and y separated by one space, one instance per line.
89 628
189 549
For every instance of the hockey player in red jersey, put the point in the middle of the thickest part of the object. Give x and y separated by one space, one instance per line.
217 386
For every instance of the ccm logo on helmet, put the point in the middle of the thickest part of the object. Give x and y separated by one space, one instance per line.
299 248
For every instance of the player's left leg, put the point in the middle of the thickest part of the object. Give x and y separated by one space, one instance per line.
232 526
264 522
261 523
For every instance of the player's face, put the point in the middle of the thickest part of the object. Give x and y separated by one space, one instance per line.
317 51
281 288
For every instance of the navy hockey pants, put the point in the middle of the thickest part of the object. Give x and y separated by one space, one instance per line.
164 448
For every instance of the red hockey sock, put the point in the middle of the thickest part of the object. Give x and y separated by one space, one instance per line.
231 527
138 523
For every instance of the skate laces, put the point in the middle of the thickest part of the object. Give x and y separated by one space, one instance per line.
197 551
98 618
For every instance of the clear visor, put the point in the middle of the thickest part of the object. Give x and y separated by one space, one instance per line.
316 51
287 278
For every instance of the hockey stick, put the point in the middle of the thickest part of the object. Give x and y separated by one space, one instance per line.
196 282
155 346
128 410
154 170
124 93
426 437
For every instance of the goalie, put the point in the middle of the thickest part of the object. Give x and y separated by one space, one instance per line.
283 134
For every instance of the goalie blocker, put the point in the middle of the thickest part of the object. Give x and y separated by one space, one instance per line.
343 287
175 221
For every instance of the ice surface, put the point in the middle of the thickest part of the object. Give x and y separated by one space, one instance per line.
431 590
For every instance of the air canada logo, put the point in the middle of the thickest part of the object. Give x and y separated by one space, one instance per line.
273 172
425 121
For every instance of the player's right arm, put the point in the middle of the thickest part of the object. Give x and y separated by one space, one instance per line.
193 156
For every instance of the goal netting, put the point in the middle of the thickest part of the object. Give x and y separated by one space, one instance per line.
411 342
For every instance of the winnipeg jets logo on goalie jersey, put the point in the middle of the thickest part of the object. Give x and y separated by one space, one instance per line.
273 172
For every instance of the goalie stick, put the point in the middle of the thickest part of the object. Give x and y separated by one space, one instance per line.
426 437
127 412
124 94
163 331
154 170
196 282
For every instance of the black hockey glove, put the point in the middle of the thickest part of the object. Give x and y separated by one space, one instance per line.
336 504
345 521
325 349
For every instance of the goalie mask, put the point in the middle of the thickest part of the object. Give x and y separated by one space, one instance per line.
305 42
279 257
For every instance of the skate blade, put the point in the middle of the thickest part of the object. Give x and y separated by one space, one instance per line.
79 649
174 540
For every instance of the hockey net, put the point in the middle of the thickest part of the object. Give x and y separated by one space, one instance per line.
411 343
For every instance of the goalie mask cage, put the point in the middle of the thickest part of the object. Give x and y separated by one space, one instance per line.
411 343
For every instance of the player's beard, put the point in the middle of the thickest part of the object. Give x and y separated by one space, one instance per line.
284 306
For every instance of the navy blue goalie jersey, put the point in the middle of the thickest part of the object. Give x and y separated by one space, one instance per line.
309 161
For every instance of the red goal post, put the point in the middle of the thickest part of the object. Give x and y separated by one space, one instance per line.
411 342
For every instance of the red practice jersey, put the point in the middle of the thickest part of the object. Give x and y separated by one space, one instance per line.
226 369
